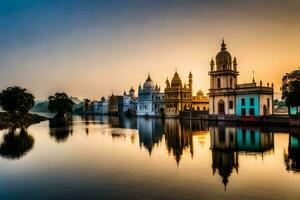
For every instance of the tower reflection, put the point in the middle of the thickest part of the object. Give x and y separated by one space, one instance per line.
150 132
227 143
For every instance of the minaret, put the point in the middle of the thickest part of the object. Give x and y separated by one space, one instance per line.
212 64
168 83
234 64
191 82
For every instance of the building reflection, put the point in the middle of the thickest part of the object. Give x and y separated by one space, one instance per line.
150 132
178 135
178 138
227 143
292 157
60 130
16 143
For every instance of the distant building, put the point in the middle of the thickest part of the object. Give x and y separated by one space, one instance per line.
200 102
113 105
124 103
227 97
150 99
87 106
100 107
178 97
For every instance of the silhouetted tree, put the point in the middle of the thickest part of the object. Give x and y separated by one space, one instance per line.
60 104
291 89
16 99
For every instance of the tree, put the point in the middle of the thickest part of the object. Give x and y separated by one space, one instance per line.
16 99
60 104
291 89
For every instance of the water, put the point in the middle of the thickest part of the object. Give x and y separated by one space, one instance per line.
120 158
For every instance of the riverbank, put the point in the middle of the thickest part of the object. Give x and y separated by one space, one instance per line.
8 120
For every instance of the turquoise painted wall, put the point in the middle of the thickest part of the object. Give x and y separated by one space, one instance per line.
247 104
293 110
245 143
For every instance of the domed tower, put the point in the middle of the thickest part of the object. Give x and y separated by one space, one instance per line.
223 81
224 76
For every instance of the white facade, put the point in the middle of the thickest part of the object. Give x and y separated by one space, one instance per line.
150 99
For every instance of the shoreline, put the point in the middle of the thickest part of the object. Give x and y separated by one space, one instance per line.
8 120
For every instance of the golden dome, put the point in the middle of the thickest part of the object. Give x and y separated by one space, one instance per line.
200 93
176 81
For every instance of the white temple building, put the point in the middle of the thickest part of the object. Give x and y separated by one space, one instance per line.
150 99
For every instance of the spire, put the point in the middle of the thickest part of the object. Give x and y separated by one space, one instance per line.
234 64
190 74
148 78
223 45
253 80
212 64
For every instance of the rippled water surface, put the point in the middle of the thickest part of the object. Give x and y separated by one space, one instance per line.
109 157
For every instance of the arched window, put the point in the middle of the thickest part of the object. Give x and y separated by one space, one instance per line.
221 107
231 83
198 108
218 83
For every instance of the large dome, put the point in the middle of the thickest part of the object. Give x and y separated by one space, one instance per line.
149 83
223 58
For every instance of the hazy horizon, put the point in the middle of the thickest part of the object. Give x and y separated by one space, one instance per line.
92 48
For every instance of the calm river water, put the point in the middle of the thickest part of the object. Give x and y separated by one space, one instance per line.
122 158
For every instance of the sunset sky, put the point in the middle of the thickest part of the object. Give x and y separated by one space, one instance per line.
91 48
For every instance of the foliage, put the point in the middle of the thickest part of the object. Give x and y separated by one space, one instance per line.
60 103
291 88
278 103
16 99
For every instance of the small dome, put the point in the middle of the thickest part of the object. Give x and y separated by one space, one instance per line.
149 83
200 93
131 90
223 58
176 81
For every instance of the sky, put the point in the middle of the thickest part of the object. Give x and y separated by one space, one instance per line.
91 48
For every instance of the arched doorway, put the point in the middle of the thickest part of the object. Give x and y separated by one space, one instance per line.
221 107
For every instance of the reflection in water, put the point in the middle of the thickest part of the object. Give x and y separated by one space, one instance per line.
150 132
178 137
60 129
228 142
16 145
292 157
